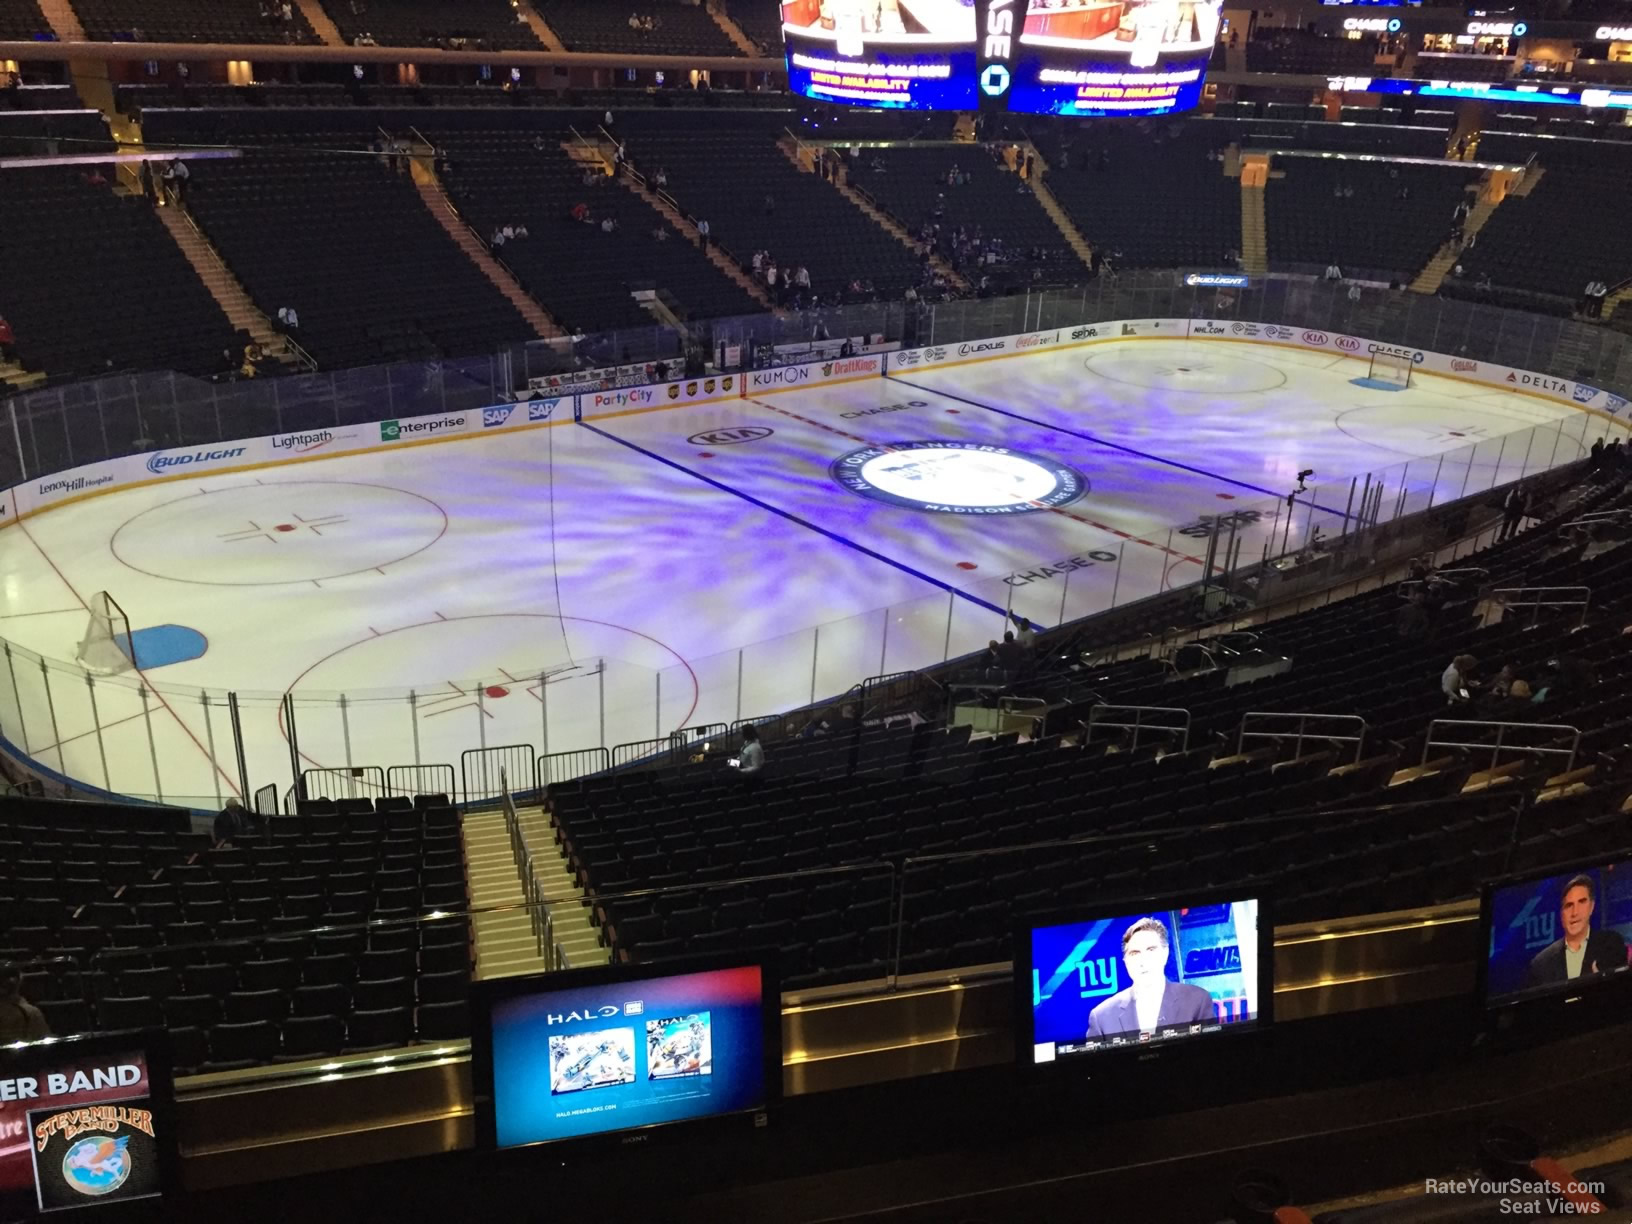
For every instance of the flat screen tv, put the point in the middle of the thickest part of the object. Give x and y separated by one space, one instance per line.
1142 977
613 1055
87 1122
1556 936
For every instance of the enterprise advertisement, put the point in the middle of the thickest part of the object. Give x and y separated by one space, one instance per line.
1113 57
572 1063
905 54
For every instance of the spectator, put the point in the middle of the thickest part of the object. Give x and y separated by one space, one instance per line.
580 212
176 175
1026 632
235 824
661 179
497 239
1333 272
1502 683
1412 618
290 319
702 232
752 757
20 1020
1515 506
991 662
8 340
801 277
1354 293
608 224
660 233
1457 680
1011 656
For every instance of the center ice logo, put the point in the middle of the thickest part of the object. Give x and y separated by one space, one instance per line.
958 478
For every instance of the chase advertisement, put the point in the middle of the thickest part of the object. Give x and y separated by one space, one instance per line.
606 1058
1113 57
1112 983
901 54
1560 933
78 1129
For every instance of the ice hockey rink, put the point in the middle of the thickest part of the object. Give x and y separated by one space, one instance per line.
618 579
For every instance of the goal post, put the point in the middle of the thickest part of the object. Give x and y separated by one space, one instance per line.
1390 369
105 649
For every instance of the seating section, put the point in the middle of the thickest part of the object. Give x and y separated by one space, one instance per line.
600 25
77 257
732 174
347 242
583 277
982 831
1299 51
1150 193
1553 241
22 20
1465 67
1008 238
1377 220
471 25
193 21
119 917
760 22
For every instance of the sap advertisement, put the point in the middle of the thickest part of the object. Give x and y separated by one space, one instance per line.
1113 57
620 1055
1558 933
83 1123
1144 978
909 54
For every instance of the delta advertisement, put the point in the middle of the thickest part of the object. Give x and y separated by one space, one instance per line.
1562 389
908 55
81 1124
1138 57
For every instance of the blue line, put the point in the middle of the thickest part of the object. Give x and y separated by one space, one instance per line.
1088 437
794 518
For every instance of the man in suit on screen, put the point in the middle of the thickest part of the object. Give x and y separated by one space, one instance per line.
1582 952
1152 1002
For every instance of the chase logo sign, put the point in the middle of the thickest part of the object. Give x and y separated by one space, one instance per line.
994 81
999 25
958 478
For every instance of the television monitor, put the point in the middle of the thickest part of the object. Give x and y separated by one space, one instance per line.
1143 977
1558 935
906 54
1089 57
607 1054
86 1122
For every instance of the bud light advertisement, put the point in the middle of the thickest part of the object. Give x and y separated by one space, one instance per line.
628 1050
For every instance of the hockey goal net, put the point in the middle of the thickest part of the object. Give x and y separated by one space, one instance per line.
1394 369
105 649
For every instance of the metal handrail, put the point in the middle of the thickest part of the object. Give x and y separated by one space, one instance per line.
1358 739
1501 729
541 917
1536 605
1096 718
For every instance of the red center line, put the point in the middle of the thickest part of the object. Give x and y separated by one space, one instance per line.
884 446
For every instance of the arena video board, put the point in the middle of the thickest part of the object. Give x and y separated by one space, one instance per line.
1065 57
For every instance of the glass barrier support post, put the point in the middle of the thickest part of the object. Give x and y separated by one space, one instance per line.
345 728
96 723
236 721
209 739
152 745
51 709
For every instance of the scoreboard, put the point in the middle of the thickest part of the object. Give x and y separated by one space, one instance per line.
1061 57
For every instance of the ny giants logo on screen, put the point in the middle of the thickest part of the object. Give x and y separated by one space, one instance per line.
1540 926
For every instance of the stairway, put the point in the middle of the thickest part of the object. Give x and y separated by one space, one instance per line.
577 935
535 23
734 32
677 220
63 20
321 25
1056 212
224 287
505 942
1439 266
879 218
436 200
95 89
1254 240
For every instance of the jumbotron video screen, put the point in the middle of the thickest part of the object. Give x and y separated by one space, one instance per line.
1063 57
